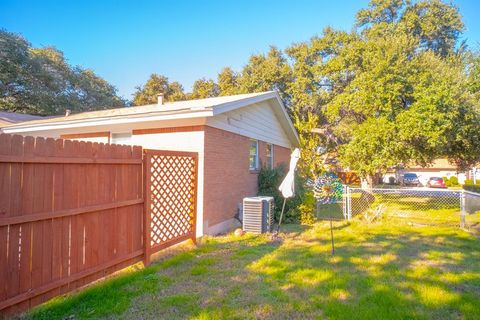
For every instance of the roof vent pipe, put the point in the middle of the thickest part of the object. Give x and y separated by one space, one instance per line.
160 98
67 112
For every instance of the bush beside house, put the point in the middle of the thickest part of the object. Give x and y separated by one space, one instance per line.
300 208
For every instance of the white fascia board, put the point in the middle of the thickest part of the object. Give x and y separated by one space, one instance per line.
229 106
107 121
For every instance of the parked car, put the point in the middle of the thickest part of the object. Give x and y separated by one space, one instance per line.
436 182
410 179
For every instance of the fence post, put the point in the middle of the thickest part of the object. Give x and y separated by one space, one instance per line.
349 201
345 202
462 209
146 207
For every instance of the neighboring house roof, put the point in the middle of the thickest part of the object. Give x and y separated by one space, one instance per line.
168 111
9 118
439 164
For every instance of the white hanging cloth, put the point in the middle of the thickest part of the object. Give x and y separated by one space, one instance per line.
287 187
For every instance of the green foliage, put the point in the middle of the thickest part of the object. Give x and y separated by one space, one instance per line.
454 181
311 163
40 81
266 72
446 180
395 87
227 82
307 209
148 93
268 182
436 24
261 73
469 182
472 187
373 147
473 67
451 182
204 88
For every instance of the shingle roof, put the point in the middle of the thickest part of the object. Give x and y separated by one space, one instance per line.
441 163
167 107
8 118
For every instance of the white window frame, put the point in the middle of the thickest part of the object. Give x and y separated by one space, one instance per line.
256 155
121 138
269 162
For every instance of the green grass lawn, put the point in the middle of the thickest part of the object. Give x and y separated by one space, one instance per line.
389 269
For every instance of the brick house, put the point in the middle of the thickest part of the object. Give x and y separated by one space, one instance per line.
233 135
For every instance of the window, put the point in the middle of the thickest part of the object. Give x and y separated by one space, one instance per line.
254 155
121 138
269 156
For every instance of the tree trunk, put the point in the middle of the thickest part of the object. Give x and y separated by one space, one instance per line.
367 185
364 183
368 181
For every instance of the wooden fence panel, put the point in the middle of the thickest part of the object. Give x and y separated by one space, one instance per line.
5 142
14 237
349 178
70 212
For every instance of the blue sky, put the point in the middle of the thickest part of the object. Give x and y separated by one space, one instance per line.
126 41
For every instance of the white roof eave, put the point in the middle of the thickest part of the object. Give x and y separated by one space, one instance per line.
172 114
123 119
229 106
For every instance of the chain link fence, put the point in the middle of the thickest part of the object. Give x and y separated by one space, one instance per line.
420 206
471 209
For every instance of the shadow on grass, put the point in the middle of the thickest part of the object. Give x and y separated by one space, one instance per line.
332 211
407 275
379 271
178 278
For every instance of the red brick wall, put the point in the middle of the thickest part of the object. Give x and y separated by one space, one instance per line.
281 155
227 178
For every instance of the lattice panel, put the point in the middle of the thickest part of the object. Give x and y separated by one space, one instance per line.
172 197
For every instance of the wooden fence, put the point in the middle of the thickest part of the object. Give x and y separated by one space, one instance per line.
70 212
349 178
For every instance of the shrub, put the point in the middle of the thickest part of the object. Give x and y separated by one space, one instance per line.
469 182
307 208
453 181
268 182
472 187
447 182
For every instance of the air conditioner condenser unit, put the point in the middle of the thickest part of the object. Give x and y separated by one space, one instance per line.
258 214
